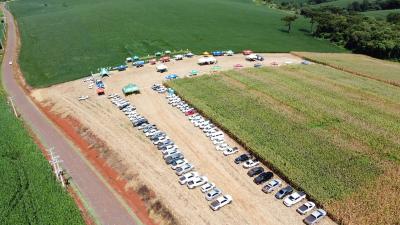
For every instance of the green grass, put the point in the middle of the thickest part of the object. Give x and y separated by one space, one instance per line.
381 14
382 70
66 40
29 193
338 3
329 132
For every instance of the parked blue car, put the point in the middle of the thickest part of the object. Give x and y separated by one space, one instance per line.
139 63
120 67
217 53
171 76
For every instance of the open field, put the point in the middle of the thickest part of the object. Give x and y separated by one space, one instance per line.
333 134
29 192
381 70
381 14
338 3
145 163
62 41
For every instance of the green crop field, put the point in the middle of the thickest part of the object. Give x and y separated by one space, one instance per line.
29 193
338 3
65 40
381 14
382 70
333 134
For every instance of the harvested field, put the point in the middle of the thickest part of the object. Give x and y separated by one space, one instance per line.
362 65
333 134
143 161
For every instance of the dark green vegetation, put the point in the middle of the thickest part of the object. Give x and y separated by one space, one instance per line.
29 193
65 40
381 14
356 32
331 133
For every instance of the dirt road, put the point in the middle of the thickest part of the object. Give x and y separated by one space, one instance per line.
250 206
108 208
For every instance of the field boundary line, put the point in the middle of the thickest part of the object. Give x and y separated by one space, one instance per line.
345 70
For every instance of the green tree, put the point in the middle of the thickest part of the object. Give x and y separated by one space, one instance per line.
393 18
289 20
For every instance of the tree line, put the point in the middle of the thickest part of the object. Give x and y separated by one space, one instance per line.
354 31
366 5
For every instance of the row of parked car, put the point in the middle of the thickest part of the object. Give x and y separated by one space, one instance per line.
172 154
289 196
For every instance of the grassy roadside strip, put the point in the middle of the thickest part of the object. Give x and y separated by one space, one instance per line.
91 213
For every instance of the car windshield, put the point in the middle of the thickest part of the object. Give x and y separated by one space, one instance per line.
215 203
182 178
303 208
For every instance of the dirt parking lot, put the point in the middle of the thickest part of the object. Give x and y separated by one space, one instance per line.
250 205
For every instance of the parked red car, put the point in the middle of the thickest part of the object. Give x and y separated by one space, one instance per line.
190 112
247 52
152 61
165 59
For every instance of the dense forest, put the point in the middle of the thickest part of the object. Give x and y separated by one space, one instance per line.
367 5
356 32
346 27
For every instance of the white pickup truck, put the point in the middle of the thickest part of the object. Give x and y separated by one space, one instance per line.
207 60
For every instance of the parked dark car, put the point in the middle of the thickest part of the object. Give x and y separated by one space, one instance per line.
149 128
157 135
242 158
164 143
255 171
284 192
173 158
140 122
264 176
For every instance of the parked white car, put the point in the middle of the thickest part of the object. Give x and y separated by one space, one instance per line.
231 151
294 198
219 141
184 169
198 181
83 97
178 163
251 163
169 148
178 57
315 217
305 208
215 192
207 60
187 177
174 151
204 124
222 147
272 185
221 202
216 135
207 187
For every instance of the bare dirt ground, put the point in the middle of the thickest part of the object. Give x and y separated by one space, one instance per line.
250 205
